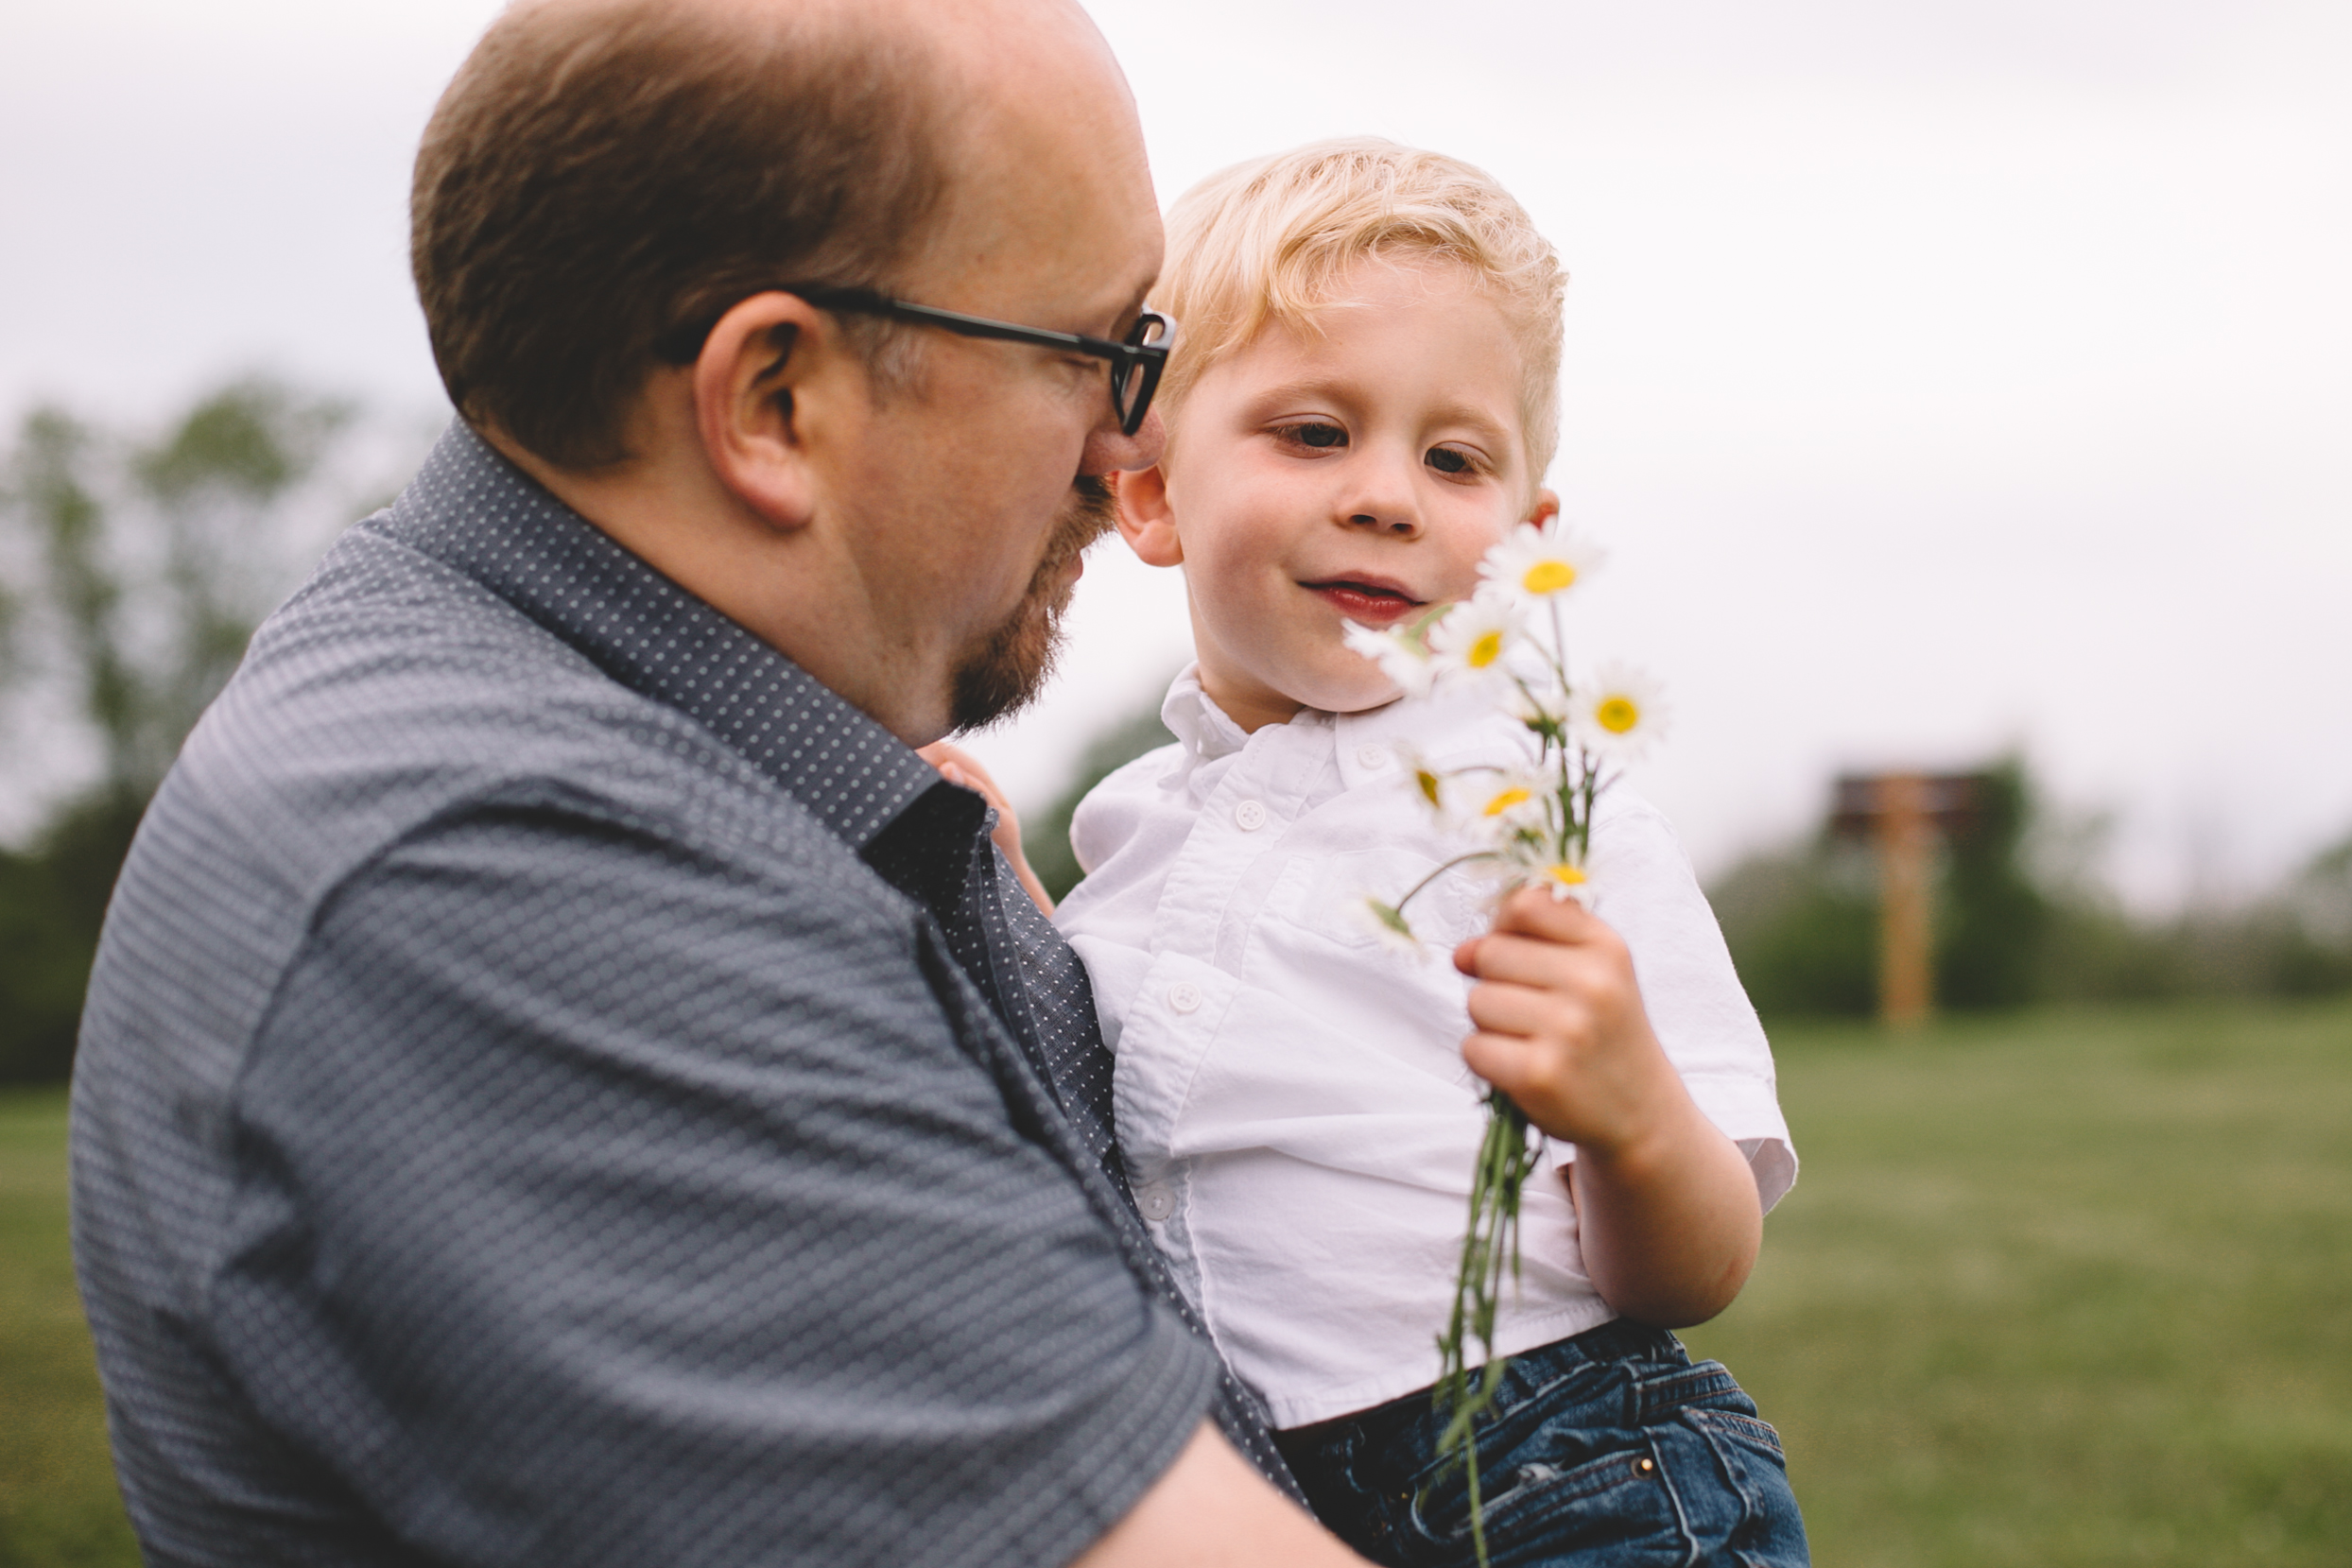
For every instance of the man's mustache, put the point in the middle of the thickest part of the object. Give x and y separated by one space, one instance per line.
1093 512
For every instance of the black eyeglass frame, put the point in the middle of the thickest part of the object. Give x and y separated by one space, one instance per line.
1136 363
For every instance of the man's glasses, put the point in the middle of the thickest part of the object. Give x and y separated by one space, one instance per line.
1136 361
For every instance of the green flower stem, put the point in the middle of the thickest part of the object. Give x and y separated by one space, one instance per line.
1458 860
1506 1156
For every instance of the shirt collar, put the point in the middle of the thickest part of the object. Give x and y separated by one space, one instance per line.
477 513
1195 719
1441 725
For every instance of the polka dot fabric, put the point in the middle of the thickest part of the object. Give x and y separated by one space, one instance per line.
515 1125
939 850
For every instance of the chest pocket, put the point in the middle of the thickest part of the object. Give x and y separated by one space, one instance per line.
1327 895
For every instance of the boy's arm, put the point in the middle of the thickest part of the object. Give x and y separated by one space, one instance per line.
958 767
1668 1210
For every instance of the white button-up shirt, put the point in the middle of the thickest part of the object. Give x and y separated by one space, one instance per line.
1294 1112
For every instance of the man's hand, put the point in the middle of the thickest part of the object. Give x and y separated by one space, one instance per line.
958 767
1210 1510
1668 1213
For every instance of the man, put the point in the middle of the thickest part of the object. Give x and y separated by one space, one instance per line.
563 1082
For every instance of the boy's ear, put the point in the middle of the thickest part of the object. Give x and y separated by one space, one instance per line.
752 408
1147 521
1546 507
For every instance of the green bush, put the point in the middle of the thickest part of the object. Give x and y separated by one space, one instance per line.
1802 925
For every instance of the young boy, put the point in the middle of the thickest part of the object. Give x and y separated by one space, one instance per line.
1365 403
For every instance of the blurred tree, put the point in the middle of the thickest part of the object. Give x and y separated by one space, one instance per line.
1803 927
1993 919
2313 954
2014 925
1047 841
1802 922
130 578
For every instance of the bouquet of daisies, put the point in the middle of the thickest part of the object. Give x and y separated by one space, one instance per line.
1530 825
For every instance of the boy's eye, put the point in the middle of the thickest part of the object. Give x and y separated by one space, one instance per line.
1446 460
1318 435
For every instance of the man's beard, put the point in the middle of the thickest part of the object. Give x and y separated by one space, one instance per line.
1003 672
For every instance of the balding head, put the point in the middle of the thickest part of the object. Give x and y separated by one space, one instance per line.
604 178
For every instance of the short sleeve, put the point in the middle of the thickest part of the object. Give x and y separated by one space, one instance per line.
601 1199
1648 895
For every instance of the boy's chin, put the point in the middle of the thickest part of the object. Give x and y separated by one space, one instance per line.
1358 698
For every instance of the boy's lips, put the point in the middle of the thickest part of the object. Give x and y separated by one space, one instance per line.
1374 601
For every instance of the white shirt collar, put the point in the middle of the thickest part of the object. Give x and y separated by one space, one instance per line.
1436 724
1193 718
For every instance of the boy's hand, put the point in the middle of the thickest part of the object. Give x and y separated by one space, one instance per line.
958 767
1667 1214
1561 1026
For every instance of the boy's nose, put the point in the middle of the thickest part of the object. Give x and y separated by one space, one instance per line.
1383 502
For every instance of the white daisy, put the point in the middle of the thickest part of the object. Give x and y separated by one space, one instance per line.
1616 712
1475 638
1428 781
1533 562
1505 798
1401 655
1535 862
1504 809
1565 881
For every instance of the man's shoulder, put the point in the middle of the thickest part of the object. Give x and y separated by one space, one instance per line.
392 690
391 699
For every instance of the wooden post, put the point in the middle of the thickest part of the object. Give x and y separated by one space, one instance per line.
1904 830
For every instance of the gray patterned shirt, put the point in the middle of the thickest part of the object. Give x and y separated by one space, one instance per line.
561 1086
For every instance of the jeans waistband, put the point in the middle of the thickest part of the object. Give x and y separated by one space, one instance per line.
1619 1340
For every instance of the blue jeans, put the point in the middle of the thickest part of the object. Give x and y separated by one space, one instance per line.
1611 1448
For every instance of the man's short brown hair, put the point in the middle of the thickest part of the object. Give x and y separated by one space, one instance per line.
601 182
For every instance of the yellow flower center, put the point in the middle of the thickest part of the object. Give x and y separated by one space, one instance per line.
1617 714
1566 874
1504 800
1549 576
1483 652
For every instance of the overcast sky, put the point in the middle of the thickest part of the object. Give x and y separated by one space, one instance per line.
1945 377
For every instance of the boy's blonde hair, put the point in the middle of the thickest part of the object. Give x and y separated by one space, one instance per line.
1264 241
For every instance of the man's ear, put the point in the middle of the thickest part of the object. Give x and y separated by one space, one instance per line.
1546 507
1147 521
751 402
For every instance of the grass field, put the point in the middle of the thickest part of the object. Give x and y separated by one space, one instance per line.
2070 1289
58 1504
2067 1289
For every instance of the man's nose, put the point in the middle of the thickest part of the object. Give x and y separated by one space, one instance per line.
1111 451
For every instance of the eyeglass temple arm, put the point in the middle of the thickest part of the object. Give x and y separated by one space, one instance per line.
970 326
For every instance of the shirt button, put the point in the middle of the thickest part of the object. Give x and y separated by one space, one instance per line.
1369 755
1185 996
1249 815
1155 1201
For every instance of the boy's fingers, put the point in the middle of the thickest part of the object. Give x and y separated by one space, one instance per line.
1533 912
1507 1062
1528 1010
1523 960
958 767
